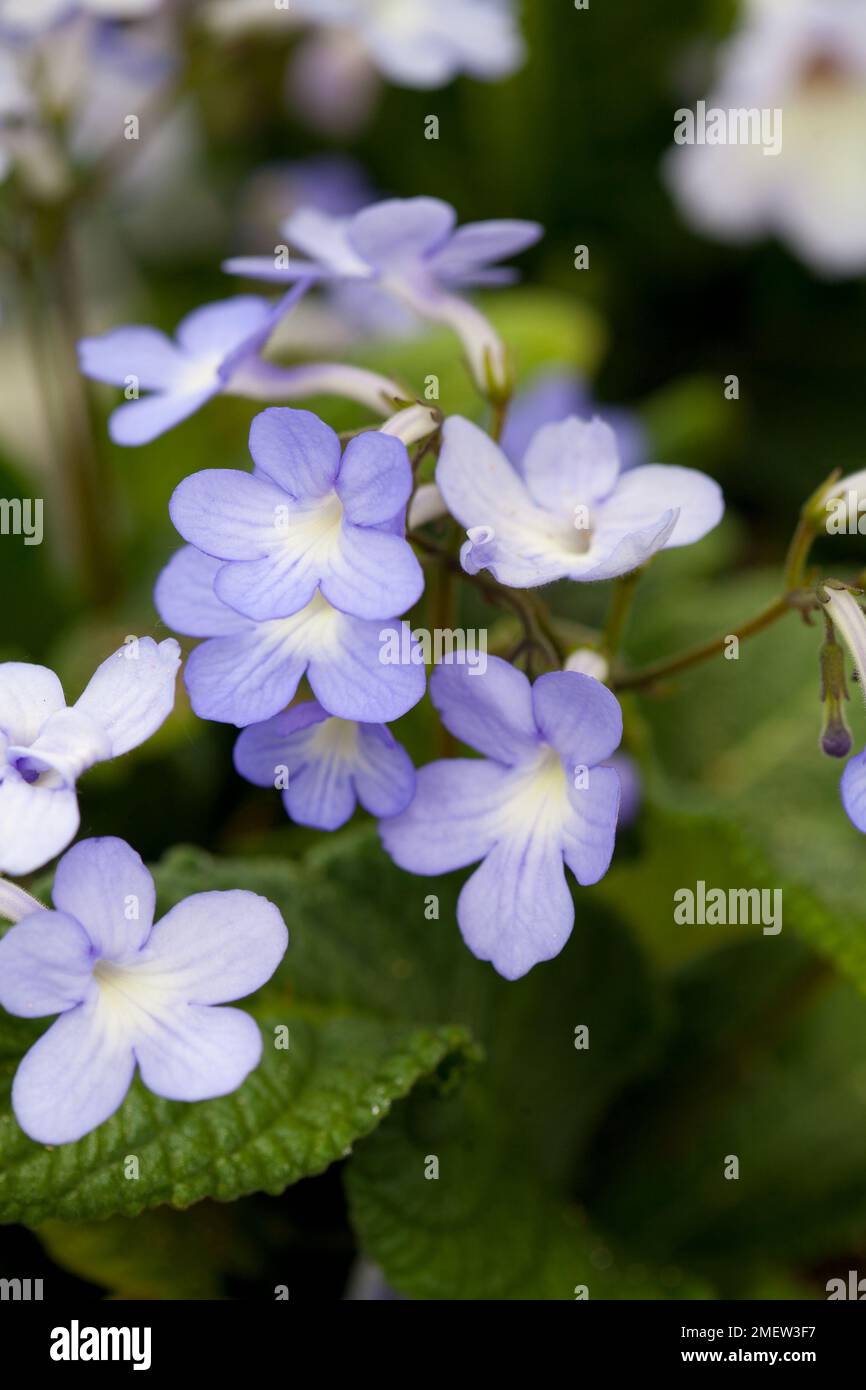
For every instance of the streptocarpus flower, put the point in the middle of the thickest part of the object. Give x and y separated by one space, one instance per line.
536 799
324 766
307 520
249 671
566 512
217 352
130 993
45 746
793 78
409 247
850 623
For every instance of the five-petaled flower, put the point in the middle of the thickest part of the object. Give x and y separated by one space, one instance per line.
410 248
130 993
249 670
538 797
324 766
566 512
306 521
45 746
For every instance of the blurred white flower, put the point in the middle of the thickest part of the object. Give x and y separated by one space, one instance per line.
66 95
332 78
807 59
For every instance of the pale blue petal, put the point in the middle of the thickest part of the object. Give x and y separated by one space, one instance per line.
185 599
516 909
218 329
132 693
215 947
853 790
375 479
246 677
194 1052
46 965
140 352
478 245
36 823
228 514
352 682
297 450
28 695
74 1077
490 710
644 493
321 792
372 574
261 749
398 232
142 421
570 463
453 819
277 586
384 775
104 885
578 716
590 832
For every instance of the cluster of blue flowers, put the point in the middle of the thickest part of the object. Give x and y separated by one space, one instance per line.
290 571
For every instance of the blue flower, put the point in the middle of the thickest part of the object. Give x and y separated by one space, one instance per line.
45 746
325 765
566 512
410 249
306 520
130 993
249 671
537 798
218 352
849 620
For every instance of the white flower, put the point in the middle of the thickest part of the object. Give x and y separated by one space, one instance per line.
565 511
45 746
807 60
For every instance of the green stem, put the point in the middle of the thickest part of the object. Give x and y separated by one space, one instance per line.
619 612
671 666
798 555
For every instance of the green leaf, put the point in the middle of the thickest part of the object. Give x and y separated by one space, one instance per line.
766 1063
485 1226
350 1057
